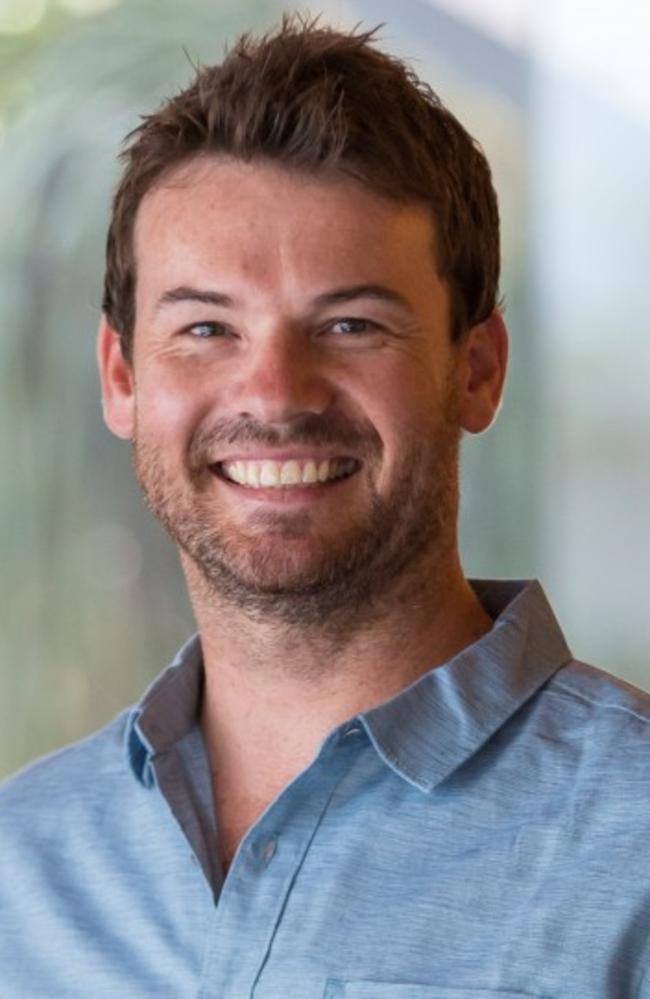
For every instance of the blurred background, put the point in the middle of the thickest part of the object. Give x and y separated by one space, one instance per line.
558 95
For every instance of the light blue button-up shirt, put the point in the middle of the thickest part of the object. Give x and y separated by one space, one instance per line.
484 832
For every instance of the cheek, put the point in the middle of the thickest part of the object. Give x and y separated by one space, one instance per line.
399 403
399 414
168 405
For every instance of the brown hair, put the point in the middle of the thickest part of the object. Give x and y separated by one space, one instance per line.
318 99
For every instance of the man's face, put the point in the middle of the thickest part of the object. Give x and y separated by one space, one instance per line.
295 395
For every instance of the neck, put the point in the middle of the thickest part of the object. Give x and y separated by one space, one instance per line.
273 691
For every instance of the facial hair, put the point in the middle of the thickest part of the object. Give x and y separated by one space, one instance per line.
280 569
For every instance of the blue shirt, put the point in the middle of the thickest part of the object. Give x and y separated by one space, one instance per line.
484 832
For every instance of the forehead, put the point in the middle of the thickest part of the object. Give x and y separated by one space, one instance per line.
216 216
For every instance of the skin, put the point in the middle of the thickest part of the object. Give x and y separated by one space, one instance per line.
313 603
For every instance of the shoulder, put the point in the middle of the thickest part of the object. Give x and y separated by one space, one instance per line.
595 696
593 733
77 814
66 778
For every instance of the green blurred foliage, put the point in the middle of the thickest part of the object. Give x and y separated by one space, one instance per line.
84 628
93 597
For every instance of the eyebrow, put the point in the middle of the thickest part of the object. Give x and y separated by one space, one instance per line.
187 294
379 292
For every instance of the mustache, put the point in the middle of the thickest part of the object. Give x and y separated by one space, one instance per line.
359 437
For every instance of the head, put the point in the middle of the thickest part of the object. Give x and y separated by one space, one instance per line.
318 101
291 281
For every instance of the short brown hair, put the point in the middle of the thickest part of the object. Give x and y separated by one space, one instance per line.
318 99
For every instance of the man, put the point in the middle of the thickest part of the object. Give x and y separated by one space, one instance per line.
365 777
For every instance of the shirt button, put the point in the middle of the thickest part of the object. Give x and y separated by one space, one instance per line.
268 851
352 731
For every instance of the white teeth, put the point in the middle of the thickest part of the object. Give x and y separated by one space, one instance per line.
310 472
275 474
290 473
269 473
250 473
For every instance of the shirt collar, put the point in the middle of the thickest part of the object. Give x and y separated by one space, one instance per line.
433 726
168 710
427 730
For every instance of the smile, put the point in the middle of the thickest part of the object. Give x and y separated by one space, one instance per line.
267 474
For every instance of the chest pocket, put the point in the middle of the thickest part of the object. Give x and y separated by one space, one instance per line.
338 989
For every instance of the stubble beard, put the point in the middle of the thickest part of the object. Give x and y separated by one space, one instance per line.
276 571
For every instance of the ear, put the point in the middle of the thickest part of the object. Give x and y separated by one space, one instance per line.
117 382
484 358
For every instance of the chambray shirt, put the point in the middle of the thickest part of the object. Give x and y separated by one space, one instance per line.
484 832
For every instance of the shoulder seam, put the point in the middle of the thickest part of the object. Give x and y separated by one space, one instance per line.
591 700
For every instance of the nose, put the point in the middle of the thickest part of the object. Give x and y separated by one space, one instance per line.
282 378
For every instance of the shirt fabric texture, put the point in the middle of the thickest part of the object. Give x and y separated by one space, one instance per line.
484 832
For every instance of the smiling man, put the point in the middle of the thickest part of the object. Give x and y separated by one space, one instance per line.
364 776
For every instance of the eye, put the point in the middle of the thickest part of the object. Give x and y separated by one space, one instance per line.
205 331
352 325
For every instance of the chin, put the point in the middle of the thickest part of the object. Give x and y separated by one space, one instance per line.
268 565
